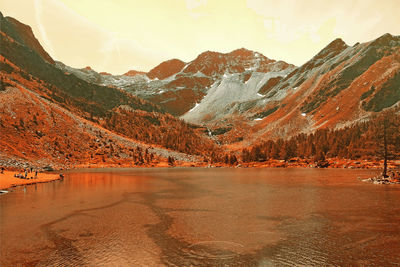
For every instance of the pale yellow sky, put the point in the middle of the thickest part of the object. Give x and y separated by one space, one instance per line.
119 35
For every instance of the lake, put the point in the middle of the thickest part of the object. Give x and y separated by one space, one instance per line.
202 217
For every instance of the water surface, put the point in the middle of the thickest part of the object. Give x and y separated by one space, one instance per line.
202 217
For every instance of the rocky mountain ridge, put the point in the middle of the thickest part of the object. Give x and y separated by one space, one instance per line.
177 86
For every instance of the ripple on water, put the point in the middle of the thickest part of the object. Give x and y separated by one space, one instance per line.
214 250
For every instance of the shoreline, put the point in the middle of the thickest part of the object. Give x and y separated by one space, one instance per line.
19 164
7 179
330 163
336 163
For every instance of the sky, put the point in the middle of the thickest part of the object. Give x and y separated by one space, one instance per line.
120 35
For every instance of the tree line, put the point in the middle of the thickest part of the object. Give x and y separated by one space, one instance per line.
377 138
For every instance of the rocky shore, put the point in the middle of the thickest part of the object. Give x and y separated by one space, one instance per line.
328 163
382 180
48 165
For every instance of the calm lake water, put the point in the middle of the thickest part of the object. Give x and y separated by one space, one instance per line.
202 217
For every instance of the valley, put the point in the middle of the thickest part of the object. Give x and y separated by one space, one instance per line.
213 110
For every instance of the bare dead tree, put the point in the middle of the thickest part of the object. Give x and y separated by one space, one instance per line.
385 149
386 132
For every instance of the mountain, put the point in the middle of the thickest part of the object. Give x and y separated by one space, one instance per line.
205 109
181 91
339 86
49 113
244 97
22 34
177 86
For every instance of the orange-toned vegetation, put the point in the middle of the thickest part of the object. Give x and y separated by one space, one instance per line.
360 141
164 130
36 130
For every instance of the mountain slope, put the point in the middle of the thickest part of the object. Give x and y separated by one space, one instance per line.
24 67
224 96
177 86
40 132
339 86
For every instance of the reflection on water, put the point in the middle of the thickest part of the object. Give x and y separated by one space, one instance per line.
202 217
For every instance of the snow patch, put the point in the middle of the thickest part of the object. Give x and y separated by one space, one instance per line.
223 94
303 114
258 119
199 74
197 104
